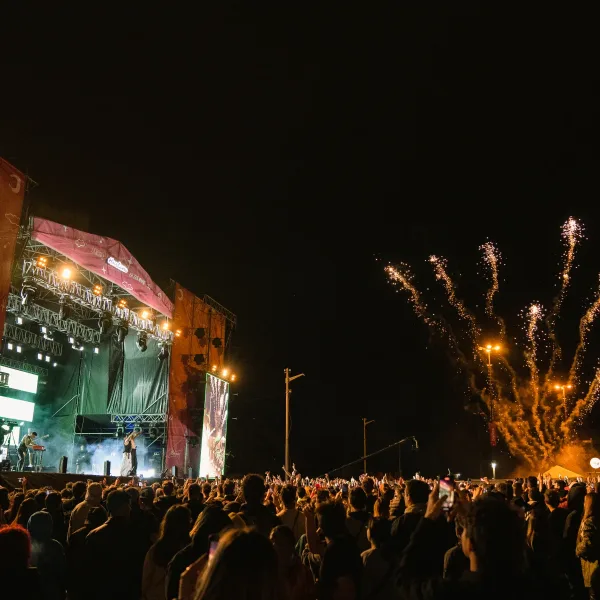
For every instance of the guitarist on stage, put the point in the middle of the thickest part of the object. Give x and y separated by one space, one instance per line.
27 443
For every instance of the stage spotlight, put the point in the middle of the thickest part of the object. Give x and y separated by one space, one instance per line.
199 359
28 293
63 309
119 432
164 352
166 326
122 303
178 333
49 334
40 356
71 340
105 323
55 364
43 329
19 349
225 372
217 343
200 333
122 331
9 346
66 273
97 290
5 427
214 368
233 377
77 345
19 320
96 350
47 358
142 341
153 432
145 314
41 261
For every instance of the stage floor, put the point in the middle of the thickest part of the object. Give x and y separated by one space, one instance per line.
57 481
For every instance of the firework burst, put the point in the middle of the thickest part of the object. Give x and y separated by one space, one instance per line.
532 412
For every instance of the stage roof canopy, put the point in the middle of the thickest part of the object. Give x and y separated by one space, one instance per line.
106 258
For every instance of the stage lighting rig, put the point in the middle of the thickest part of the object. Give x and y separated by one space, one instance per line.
164 352
122 303
105 323
28 294
178 333
66 273
63 308
77 345
122 330
142 341
41 262
166 326
97 290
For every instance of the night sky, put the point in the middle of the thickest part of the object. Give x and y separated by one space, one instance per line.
269 157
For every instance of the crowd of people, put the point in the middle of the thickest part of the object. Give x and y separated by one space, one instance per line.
299 539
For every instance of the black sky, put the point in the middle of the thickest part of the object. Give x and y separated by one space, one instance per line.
268 156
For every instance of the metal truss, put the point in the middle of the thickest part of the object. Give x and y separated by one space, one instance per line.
220 309
23 366
92 305
45 316
27 338
139 418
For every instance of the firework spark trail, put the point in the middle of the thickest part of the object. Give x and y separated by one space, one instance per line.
582 407
441 274
584 326
404 278
534 315
492 258
572 233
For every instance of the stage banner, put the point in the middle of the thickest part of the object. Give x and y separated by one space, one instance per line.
192 353
106 258
12 192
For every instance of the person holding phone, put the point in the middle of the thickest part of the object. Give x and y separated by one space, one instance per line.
416 494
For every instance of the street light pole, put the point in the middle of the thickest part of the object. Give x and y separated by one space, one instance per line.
288 380
365 423
564 389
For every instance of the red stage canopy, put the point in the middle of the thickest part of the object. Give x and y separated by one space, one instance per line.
106 258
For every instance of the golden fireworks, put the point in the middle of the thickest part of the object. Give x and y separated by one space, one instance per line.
536 422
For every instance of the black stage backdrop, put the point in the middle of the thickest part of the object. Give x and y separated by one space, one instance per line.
137 380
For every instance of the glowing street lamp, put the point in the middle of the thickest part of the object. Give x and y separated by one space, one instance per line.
488 349
494 465
563 388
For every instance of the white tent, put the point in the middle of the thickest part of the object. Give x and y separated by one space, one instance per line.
557 471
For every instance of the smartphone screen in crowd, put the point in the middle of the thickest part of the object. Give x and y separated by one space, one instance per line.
447 489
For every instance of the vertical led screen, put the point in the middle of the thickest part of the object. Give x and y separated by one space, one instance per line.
214 429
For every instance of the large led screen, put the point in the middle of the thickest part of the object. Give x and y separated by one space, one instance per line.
214 430
19 410
20 380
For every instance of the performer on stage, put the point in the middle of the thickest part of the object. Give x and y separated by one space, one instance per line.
25 447
129 462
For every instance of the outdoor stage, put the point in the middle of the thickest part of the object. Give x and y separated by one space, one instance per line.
57 481
92 349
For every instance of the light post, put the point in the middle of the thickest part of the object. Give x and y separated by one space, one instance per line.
488 349
494 465
365 423
563 388
288 380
